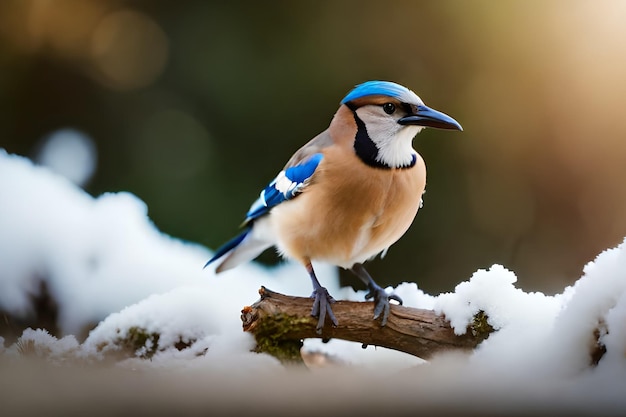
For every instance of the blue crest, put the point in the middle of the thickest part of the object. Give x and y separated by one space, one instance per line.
372 88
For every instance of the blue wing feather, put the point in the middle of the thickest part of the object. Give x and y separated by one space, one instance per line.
228 246
287 184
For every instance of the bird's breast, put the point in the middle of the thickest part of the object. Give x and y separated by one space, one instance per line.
350 211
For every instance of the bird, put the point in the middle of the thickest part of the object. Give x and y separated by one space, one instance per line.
345 196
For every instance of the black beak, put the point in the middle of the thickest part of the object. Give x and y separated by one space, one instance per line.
425 116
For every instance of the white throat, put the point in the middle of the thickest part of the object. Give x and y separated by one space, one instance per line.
396 149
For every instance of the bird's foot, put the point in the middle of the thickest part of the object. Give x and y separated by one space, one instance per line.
381 301
321 307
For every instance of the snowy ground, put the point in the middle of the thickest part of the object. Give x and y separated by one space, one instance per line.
104 262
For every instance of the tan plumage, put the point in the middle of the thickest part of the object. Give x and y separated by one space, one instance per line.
371 207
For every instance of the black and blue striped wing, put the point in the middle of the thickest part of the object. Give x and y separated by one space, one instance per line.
287 185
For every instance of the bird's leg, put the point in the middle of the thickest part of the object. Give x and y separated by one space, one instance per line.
381 298
322 301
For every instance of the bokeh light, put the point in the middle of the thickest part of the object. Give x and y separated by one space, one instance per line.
128 49
170 144
70 153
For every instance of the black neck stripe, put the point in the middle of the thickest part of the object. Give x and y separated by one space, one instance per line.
366 149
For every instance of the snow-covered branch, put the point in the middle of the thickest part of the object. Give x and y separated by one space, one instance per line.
279 323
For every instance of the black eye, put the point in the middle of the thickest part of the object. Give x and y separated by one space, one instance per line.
389 108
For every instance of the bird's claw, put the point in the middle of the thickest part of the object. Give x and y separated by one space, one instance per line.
381 302
321 308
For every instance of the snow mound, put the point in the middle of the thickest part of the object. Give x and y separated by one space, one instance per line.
102 260
99 255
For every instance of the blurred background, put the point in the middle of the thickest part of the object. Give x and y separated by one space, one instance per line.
195 105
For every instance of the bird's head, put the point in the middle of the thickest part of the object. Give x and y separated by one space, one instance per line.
388 116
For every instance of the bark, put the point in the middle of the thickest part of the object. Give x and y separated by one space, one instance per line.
280 322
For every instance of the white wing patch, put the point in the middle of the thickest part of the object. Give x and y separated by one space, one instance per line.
284 184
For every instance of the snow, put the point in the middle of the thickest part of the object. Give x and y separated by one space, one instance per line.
100 255
41 344
493 292
104 262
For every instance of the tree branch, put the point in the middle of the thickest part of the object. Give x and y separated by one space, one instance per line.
280 322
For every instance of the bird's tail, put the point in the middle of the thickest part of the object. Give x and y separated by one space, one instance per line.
242 248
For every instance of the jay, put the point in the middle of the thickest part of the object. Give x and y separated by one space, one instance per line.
347 195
